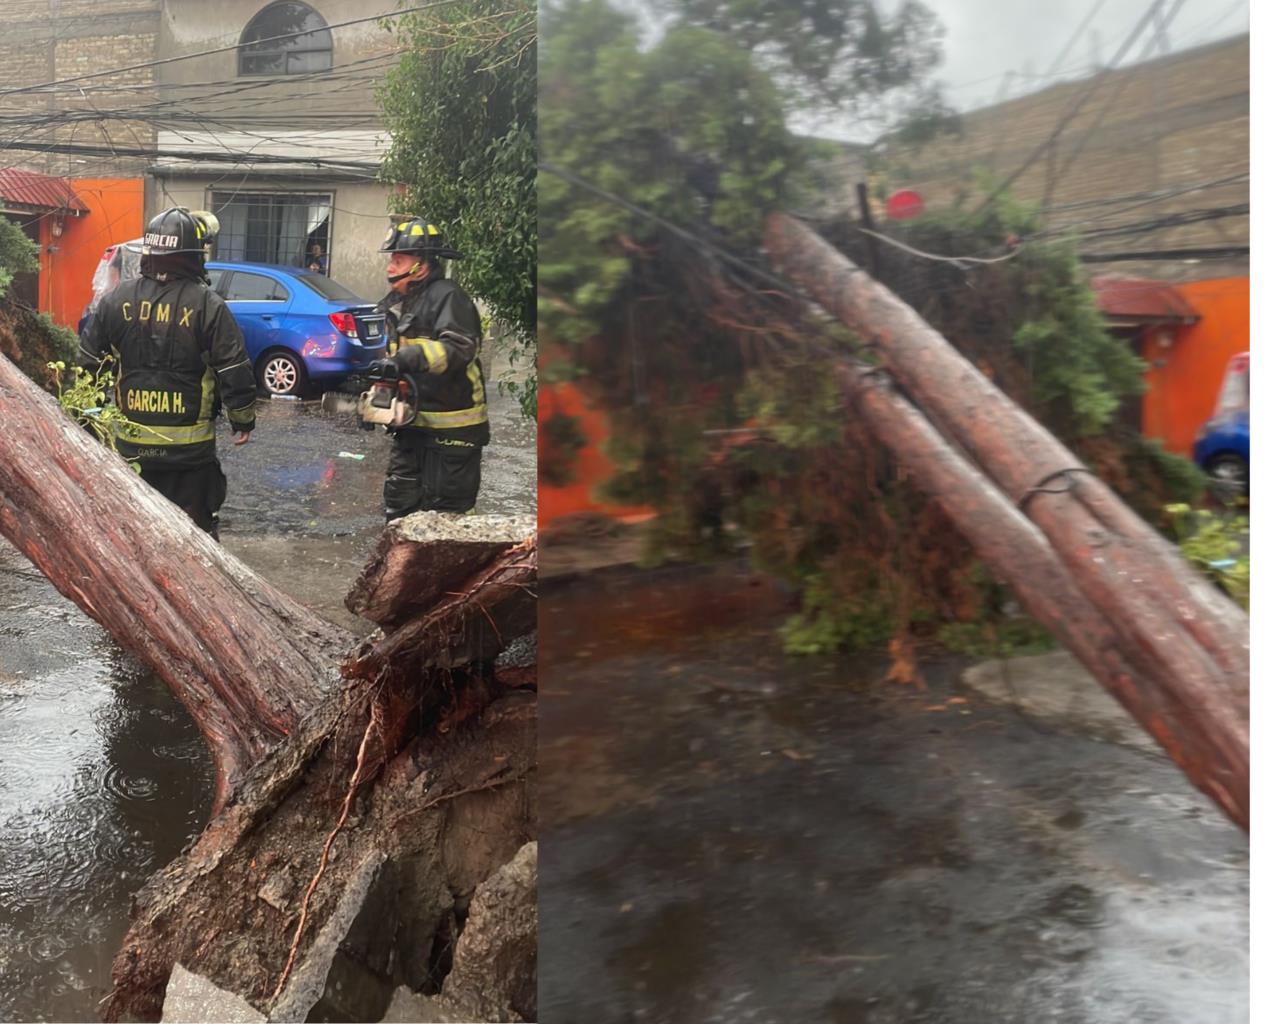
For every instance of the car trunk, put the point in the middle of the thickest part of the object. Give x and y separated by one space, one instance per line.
370 323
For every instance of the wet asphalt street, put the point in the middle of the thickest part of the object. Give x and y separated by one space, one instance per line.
733 836
103 777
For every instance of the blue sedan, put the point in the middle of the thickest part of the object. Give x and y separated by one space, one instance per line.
301 328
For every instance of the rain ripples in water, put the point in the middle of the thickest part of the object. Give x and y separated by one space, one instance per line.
103 778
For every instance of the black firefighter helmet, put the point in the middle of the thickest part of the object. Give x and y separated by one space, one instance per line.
415 236
178 230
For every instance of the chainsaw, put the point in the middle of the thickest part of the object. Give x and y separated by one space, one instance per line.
391 400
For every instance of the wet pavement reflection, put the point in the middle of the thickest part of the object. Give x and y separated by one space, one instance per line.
103 777
731 835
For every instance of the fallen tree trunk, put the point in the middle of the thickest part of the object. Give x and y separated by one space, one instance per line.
416 777
470 623
1020 455
1019 552
1168 617
245 659
354 819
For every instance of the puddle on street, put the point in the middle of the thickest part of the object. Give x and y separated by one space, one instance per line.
731 835
103 776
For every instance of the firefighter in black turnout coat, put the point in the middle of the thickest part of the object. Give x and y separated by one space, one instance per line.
177 353
433 338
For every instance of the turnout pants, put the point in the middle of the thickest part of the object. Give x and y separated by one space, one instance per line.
427 474
198 490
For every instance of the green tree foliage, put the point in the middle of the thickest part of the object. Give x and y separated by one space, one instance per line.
692 127
461 108
18 254
1215 543
840 54
29 338
689 129
724 413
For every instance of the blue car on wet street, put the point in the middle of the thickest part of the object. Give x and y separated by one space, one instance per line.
301 328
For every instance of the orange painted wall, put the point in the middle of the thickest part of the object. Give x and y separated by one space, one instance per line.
592 468
1184 378
66 274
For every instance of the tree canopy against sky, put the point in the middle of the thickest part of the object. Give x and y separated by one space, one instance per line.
461 110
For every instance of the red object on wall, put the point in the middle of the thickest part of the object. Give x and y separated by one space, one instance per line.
904 204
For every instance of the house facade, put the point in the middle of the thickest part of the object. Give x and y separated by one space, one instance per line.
264 112
280 138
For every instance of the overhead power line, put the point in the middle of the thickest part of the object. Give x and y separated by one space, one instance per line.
222 49
1223 252
1083 97
251 158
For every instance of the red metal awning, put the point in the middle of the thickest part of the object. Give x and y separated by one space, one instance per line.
1127 301
28 190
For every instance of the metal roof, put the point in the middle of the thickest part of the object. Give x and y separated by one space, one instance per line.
1140 301
30 189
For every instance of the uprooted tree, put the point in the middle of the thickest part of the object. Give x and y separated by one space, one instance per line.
727 413
399 773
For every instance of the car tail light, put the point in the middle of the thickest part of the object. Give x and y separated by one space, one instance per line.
344 322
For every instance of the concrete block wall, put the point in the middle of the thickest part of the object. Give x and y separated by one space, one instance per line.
48 40
1166 124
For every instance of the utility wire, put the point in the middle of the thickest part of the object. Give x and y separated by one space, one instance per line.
1069 116
1075 38
688 236
224 49
1102 113
117 151
958 260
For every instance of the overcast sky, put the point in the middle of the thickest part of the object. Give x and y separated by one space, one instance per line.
995 50
988 39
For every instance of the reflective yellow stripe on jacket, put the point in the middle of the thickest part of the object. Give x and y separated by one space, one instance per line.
474 416
437 356
142 435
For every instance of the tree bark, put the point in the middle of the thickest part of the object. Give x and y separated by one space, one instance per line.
245 659
421 559
1194 639
409 783
472 623
1018 551
1115 552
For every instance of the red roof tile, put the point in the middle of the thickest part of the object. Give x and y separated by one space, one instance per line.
27 188
1135 298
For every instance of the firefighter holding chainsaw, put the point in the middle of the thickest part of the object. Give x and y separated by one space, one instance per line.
429 392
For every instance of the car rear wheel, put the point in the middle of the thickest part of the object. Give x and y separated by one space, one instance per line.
1228 477
282 373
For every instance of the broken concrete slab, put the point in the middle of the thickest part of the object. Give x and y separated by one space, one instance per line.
420 557
496 958
192 999
1057 688
306 985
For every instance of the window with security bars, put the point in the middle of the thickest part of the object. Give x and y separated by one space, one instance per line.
274 227
286 38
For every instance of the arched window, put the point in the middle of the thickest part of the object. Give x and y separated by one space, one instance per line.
262 52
